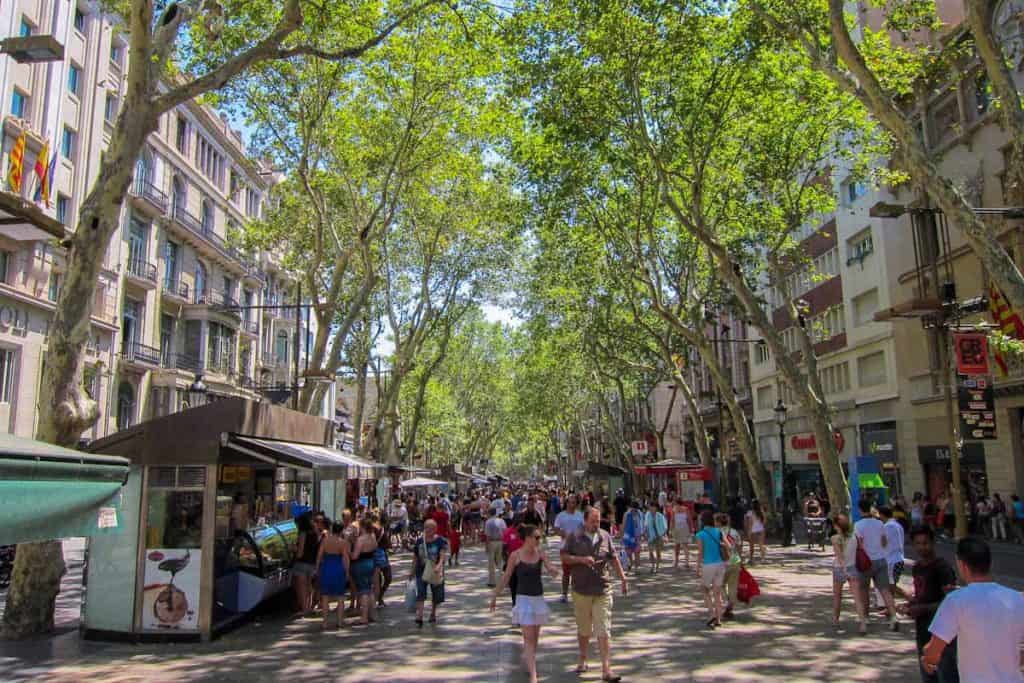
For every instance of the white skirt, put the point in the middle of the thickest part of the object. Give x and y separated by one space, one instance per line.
530 610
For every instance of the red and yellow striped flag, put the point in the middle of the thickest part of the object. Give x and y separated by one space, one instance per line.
1008 321
16 162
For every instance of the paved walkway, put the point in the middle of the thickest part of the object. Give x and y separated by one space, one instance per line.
658 636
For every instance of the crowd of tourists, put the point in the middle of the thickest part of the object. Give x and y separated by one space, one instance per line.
604 539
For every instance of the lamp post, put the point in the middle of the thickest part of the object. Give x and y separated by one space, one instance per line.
197 391
787 515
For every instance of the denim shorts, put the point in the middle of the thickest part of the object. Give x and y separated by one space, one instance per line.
879 573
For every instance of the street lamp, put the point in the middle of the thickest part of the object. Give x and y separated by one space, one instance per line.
196 391
787 520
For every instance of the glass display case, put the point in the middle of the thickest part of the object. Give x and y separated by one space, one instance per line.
253 566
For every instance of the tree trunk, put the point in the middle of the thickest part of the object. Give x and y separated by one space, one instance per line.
700 433
359 410
662 454
32 595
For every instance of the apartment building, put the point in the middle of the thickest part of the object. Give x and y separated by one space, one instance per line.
172 297
881 372
728 335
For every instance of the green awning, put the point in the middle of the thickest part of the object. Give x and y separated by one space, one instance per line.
53 492
870 481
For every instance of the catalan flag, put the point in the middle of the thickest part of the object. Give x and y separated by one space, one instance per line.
42 169
16 161
1008 321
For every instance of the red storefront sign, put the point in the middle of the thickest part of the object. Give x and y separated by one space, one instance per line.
695 474
805 442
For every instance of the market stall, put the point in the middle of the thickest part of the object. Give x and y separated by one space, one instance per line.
675 476
220 485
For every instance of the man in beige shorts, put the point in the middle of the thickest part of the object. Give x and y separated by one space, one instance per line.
588 552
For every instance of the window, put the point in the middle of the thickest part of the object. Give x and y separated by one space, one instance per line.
252 203
871 369
835 379
855 189
207 216
234 185
62 208
5 263
8 368
829 324
26 28
825 266
80 21
74 79
67 143
181 135
125 405
764 398
116 53
53 286
209 161
110 108
762 354
982 94
91 381
859 247
864 307
19 104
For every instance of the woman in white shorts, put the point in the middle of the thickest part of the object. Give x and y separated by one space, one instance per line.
682 531
753 522
530 611
844 570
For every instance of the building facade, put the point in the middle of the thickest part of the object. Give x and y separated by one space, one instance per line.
171 301
880 368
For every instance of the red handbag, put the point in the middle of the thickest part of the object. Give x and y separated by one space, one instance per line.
746 588
863 561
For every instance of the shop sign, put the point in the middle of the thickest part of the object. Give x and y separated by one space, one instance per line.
971 349
639 448
803 442
695 474
170 600
880 443
976 405
970 454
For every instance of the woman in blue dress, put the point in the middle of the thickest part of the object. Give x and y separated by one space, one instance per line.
332 568
632 528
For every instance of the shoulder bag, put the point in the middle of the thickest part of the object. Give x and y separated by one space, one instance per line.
863 561
430 573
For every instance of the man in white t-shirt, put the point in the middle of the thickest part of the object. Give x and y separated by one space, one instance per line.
566 523
498 505
984 617
398 515
870 533
662 501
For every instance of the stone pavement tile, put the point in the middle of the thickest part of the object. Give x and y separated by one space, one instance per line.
658 635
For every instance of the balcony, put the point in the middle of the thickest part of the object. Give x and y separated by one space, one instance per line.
140 354
216 298
252 270
182 361
175 288
221 366
250 326
142 272
194 225
150 194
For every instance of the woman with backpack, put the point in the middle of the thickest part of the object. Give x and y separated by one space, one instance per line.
844 570
712 554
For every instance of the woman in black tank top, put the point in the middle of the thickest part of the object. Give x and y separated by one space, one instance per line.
530 611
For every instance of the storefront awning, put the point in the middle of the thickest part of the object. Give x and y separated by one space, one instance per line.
52 492
421 482
328 462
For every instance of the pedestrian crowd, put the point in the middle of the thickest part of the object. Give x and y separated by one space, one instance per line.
961 633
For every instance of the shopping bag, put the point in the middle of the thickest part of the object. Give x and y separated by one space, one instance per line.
863 560
747 588
410 595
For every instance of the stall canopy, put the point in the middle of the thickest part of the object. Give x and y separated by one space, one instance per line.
54 492
328 462
421 482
